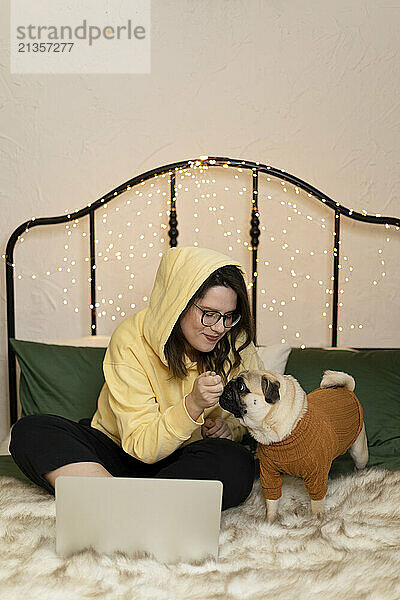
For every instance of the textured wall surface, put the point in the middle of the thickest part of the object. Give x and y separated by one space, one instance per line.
306 86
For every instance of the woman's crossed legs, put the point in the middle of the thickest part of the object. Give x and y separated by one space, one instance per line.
47 446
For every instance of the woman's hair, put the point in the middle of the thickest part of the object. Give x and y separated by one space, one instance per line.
218 359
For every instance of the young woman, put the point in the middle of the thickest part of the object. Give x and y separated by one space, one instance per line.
165 368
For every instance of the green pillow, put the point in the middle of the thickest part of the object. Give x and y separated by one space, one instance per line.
8 468
377 377
59 380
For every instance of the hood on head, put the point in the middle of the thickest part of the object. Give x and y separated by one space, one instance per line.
180 274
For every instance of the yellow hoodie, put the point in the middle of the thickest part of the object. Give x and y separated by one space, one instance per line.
140 406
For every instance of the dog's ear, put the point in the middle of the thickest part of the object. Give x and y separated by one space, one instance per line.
270 390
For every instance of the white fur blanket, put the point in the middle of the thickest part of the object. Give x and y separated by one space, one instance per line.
351 553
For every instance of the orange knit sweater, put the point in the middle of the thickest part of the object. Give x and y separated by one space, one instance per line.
329 427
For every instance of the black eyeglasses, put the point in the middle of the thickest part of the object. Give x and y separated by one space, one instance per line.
211 317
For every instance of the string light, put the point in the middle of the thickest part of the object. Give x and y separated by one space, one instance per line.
199 176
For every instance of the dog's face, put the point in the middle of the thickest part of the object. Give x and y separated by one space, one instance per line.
251 396
267 403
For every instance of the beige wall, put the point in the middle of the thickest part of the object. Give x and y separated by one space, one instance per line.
307 86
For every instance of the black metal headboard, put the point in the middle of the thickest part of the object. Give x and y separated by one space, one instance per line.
173 233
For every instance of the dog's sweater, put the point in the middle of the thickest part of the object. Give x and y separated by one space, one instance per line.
330 426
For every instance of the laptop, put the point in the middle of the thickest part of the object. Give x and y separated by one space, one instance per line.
171 519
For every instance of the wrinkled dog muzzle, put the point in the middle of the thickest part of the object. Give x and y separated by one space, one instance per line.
230 400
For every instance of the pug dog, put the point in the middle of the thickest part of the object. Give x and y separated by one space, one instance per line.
298 434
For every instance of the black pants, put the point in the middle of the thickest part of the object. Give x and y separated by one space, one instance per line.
42 443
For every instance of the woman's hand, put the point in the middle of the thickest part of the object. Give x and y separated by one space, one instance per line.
206 391
216 428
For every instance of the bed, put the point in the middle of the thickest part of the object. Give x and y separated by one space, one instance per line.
46 373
